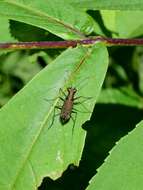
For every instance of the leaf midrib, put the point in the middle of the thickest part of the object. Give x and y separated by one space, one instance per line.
33 144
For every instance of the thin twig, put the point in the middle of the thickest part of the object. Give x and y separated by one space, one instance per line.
71 43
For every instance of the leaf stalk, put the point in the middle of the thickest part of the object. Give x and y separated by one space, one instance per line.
71 43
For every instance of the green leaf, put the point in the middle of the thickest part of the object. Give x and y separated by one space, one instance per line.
124 24
107 5
109 122
55 16
122 168
29 149
122 96
5 35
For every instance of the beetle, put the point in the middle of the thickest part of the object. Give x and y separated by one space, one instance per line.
67 108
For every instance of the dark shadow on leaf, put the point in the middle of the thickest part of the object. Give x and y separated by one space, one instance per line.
107 125
26 32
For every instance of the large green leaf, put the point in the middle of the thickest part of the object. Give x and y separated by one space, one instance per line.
55 16
29 149
124 24
122 170
107 5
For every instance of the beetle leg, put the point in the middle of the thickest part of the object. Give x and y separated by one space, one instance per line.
74 109
54 115
74 120
62 92
85 99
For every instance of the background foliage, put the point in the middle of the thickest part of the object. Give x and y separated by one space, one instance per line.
118 110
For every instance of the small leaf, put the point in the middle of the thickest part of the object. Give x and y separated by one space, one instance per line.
5 35
124 24
29 149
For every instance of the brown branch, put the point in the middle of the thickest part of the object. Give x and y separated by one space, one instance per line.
71 43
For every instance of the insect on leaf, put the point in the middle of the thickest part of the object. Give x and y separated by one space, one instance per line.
29 149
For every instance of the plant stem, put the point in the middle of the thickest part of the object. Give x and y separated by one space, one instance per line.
71 43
